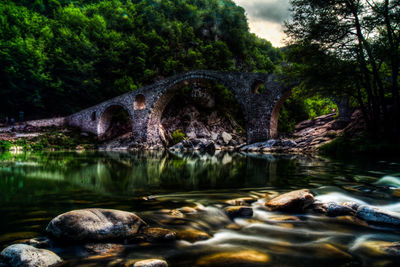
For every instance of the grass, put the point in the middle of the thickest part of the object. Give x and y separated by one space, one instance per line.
52 138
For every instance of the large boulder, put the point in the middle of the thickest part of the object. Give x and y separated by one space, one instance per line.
226 137
28 256
95 225
293 201
378 216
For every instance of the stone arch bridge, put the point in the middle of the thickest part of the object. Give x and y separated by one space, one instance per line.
146 105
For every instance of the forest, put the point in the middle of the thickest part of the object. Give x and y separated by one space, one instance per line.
349 48
59 56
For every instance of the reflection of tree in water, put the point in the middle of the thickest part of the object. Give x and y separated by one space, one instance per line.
201 171
151 172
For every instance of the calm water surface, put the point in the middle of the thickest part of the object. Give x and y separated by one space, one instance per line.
35 187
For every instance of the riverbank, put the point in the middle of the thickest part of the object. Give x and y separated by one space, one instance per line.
26 137
322 134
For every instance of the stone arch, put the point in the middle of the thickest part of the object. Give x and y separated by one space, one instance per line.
106 119
154 136
140 102
273 120
258 87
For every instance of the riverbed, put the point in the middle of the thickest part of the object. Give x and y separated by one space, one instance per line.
187 193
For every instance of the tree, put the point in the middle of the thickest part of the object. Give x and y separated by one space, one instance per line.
354 48
60 56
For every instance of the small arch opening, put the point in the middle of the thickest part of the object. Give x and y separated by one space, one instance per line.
258 88
140 102
93 116
295 112
114 122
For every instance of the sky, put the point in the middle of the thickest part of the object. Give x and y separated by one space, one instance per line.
266 18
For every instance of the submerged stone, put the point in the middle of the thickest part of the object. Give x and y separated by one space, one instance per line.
151 263
377 215
244 201
158 234
192 235
108 248
283 218
238 211
379 248
95 225
28 256
187 210
293 201
234 258
172 213
352 220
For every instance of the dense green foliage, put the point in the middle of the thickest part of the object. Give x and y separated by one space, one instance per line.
59 56
177 136
350 48
300 107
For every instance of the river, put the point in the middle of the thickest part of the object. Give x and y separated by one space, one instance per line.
36 187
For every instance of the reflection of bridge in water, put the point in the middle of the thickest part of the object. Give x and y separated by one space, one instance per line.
154 172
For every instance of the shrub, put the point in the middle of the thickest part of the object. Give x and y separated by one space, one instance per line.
5 145
178 136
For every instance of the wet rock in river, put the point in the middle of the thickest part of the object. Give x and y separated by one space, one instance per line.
379 248
352 205
151 263
334 209
39 242
239 211
95 225
378 216
348 219
158 234
202 145
244 201
293 201
234 258
29 256
187 210
283 218
99 248
192 235
172 213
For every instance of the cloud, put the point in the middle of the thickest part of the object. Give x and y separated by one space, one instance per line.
266 18
269 10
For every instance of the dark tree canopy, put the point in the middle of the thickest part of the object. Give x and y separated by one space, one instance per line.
350 48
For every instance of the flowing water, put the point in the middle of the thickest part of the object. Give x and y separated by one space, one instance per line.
35 187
